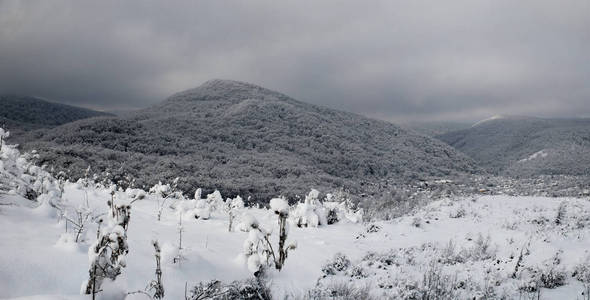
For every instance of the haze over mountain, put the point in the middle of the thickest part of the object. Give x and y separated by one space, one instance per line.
526 146
244 139
19 113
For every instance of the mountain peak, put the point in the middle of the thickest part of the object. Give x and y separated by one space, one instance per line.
224 89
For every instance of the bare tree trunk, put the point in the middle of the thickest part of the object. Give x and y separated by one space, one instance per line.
282 240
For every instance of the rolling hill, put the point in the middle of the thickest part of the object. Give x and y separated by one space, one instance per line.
23 113
526 146
244 139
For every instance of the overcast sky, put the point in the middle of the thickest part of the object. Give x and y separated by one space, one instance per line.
394 60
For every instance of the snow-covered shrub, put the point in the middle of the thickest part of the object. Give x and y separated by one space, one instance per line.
436 284
232 206
582 274
458 213
561 213
249 289
582 271
4 134
135 194
156 285
247 223
338 264
370 228
80 220
341 290
310 213
551 273
341 211
194 209
281 208
481 250
107 254
215 201
198 194
22 177
202 210
107 258
258 250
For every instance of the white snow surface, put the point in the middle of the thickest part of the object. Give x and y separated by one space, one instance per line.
539 154
37 260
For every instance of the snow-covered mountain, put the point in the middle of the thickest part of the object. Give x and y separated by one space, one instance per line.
526 146
244 139
21 113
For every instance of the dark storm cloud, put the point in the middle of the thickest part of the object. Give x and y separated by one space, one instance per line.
395 60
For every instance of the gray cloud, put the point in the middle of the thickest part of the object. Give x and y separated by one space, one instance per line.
395 60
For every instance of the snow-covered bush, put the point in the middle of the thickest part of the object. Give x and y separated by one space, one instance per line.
22 177
435 284
107 254
202 210
281 208
549 275
481 250
232 206
215 201
341 290
339 208
249 289
458 213
79 219
338 264
194 209
582 274
258 250
156 285
107 258
161 190
4 134
341 211
561 213
310 213
135 194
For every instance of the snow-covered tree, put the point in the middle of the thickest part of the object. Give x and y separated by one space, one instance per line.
231 207
4 134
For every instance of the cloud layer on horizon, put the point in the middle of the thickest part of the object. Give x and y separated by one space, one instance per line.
456 60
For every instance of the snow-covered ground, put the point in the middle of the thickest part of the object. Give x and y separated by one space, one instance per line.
38 260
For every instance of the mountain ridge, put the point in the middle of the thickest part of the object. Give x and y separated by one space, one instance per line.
244 139
507 146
